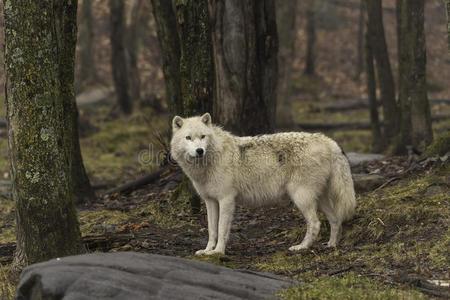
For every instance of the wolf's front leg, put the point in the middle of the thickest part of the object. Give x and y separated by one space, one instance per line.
226 211
212 211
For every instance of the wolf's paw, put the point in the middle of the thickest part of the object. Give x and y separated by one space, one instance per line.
201 252
331 245
298 247
213 252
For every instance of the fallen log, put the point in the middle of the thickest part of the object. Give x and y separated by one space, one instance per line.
149 178
3 123
362 103
352 125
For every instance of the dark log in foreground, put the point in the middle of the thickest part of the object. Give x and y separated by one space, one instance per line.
363 103
136 183
352 125
129 275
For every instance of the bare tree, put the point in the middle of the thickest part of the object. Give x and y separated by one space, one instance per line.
377 141
415 109
310 38
375 30
118 55
39 58
360 47
286 11
87 72
166 27
132 48
245 44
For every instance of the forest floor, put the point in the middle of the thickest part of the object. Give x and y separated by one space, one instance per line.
396 246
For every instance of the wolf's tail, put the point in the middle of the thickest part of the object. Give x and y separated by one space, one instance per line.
342 192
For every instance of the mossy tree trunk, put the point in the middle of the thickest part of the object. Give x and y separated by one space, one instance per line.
245 44
377 141
118 55
132 48
40 41
196 60
196 67
87 74
166 27
383 69
415 109
310 68
286 11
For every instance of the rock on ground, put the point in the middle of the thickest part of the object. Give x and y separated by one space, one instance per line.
357 158
129 275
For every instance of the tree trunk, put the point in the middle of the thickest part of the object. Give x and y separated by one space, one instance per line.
286 11
383 67
245 52
360 47
39 58
196 68
166 27
132 47
82 189
87 72
118 55
377 142
196 61
415 110
448 24
310 38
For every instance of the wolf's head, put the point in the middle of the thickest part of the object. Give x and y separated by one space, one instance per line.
191 138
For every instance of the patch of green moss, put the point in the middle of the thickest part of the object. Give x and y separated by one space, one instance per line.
439 147
401 228
123 144
7 285
348 287
7 232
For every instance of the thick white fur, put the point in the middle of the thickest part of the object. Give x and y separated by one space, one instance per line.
310 169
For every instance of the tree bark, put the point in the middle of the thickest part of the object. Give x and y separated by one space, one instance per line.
415 110
377 142
118 55
383 67
196 68
132 48
245 52
87 72
286 11
196 60
166 27
310 38
40 41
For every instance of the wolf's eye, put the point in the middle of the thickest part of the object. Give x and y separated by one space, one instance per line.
188 138
202 137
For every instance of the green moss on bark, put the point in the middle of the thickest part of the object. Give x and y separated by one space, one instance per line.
39 56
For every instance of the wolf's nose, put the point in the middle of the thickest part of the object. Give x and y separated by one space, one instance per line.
199 151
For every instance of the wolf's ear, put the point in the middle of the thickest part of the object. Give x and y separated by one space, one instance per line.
177 122
206 119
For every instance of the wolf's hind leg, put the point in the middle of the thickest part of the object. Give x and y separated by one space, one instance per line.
306 201
212 210
329 210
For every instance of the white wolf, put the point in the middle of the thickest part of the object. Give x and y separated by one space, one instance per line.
225 169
